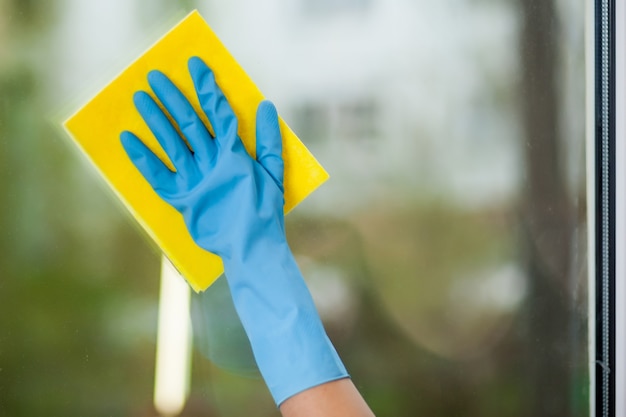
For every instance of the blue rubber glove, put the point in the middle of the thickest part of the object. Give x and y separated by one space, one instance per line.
233 207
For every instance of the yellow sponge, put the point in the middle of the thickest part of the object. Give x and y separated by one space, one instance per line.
96 128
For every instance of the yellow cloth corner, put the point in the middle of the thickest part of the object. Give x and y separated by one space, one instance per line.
96 128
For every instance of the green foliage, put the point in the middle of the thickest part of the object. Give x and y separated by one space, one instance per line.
64 349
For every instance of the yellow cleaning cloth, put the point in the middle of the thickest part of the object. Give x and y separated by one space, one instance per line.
96 128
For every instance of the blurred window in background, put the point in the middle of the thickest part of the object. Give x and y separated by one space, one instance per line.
312 122
358 121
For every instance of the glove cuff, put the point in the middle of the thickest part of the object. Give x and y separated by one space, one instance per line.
290 345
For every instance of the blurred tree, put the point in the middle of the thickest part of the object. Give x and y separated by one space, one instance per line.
549 219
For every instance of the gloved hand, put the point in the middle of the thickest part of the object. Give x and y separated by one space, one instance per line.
233 207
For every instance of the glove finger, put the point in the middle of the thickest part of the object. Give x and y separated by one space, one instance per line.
184 115
162 128
149 165
213 102
269 144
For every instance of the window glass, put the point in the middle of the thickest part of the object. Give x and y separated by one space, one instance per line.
446 254
329 7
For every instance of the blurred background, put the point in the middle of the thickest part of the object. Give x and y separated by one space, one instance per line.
447 254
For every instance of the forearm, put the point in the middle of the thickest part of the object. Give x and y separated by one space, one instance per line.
333 399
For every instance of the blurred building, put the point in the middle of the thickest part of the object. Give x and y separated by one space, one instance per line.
385 105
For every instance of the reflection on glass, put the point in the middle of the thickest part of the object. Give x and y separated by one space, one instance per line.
447 253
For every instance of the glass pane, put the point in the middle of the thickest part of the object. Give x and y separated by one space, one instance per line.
447 253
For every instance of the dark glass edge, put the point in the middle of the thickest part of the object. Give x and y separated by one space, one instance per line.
605 207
